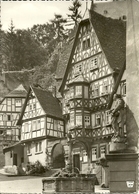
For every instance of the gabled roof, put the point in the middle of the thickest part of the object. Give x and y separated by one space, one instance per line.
79 79
49 104
18 92
65 54
112 37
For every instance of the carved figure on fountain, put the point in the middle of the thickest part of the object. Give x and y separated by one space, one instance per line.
118 118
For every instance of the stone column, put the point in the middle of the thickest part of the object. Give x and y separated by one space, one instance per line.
132 73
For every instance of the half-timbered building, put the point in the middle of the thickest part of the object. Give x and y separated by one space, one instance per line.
41 119
93 74
10 108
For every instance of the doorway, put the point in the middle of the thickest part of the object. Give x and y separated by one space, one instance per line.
15 159
58 156
76 161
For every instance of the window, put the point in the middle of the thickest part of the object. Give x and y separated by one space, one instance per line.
26 130
94 64
77 69
38 124
34 106
98 119
55 124
18 102
33 125
94 153
86 44
102 151
108 117
78 120
95 91
105 87
38 147
30 106
123 88
71 92
87 120
85 91
78 90
4 117
8 117
85 157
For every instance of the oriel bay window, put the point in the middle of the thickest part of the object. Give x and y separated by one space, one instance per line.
75 119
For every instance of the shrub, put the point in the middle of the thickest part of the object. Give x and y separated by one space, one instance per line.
36 168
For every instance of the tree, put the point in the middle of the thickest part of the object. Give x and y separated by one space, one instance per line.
43 33
58 23
8 47
76 15
20 50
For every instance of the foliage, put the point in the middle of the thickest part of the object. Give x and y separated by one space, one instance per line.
58 23
36 168
45 34
36 48
20 50
75 15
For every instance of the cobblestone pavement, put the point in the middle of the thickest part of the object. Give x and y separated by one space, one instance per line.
27 185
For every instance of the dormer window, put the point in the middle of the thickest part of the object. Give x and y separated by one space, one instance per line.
94 63
86 44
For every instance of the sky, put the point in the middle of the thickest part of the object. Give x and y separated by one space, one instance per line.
27 13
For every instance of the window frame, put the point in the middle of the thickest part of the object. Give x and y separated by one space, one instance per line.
94 147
